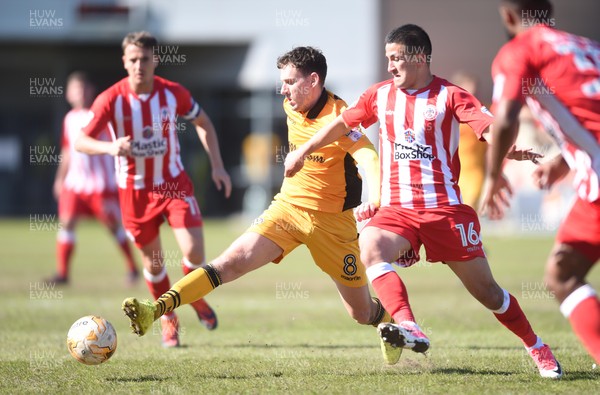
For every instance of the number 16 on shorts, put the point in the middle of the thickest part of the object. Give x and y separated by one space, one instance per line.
468 237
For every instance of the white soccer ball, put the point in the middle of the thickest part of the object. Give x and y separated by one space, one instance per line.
92 340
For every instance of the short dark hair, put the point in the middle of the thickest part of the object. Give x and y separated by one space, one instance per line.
140 39
527 7
305 59
414 38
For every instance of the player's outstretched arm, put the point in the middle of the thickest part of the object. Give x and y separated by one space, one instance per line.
294 161
91 146
503 135
549 173
208 137
367 158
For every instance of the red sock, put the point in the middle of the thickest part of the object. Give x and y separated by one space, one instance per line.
514 319
128 256
585 320
64 252
186 270
157 284
391 291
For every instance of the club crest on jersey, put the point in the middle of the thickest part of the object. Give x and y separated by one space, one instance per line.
152 144
165 115
148 132
411 149
430 112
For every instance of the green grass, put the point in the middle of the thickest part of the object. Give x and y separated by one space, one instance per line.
268 341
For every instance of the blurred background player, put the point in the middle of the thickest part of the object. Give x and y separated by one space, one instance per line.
85 185
558 75
142 111
314 208
471 150
418 114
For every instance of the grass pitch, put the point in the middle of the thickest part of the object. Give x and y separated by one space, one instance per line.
282 329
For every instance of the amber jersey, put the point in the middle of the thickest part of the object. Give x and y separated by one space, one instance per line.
329 180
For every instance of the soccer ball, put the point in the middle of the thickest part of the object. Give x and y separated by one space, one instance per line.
92 340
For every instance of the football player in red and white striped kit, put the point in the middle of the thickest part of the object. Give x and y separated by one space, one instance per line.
419 116
141 111
85 185
558 75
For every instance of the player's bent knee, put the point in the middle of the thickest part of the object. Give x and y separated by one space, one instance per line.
490 295
369 255
561 274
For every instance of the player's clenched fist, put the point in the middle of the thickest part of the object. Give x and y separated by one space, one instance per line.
121 146
294 161
365 211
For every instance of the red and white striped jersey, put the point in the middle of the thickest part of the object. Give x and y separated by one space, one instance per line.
151 121
86 174
558 75
418 139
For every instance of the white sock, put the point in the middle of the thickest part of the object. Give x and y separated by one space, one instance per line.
378 270
505 303
576 297
191 265
538 344
155 278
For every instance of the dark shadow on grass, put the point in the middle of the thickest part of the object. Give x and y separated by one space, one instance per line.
463 371
514 348
140 379
304 345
